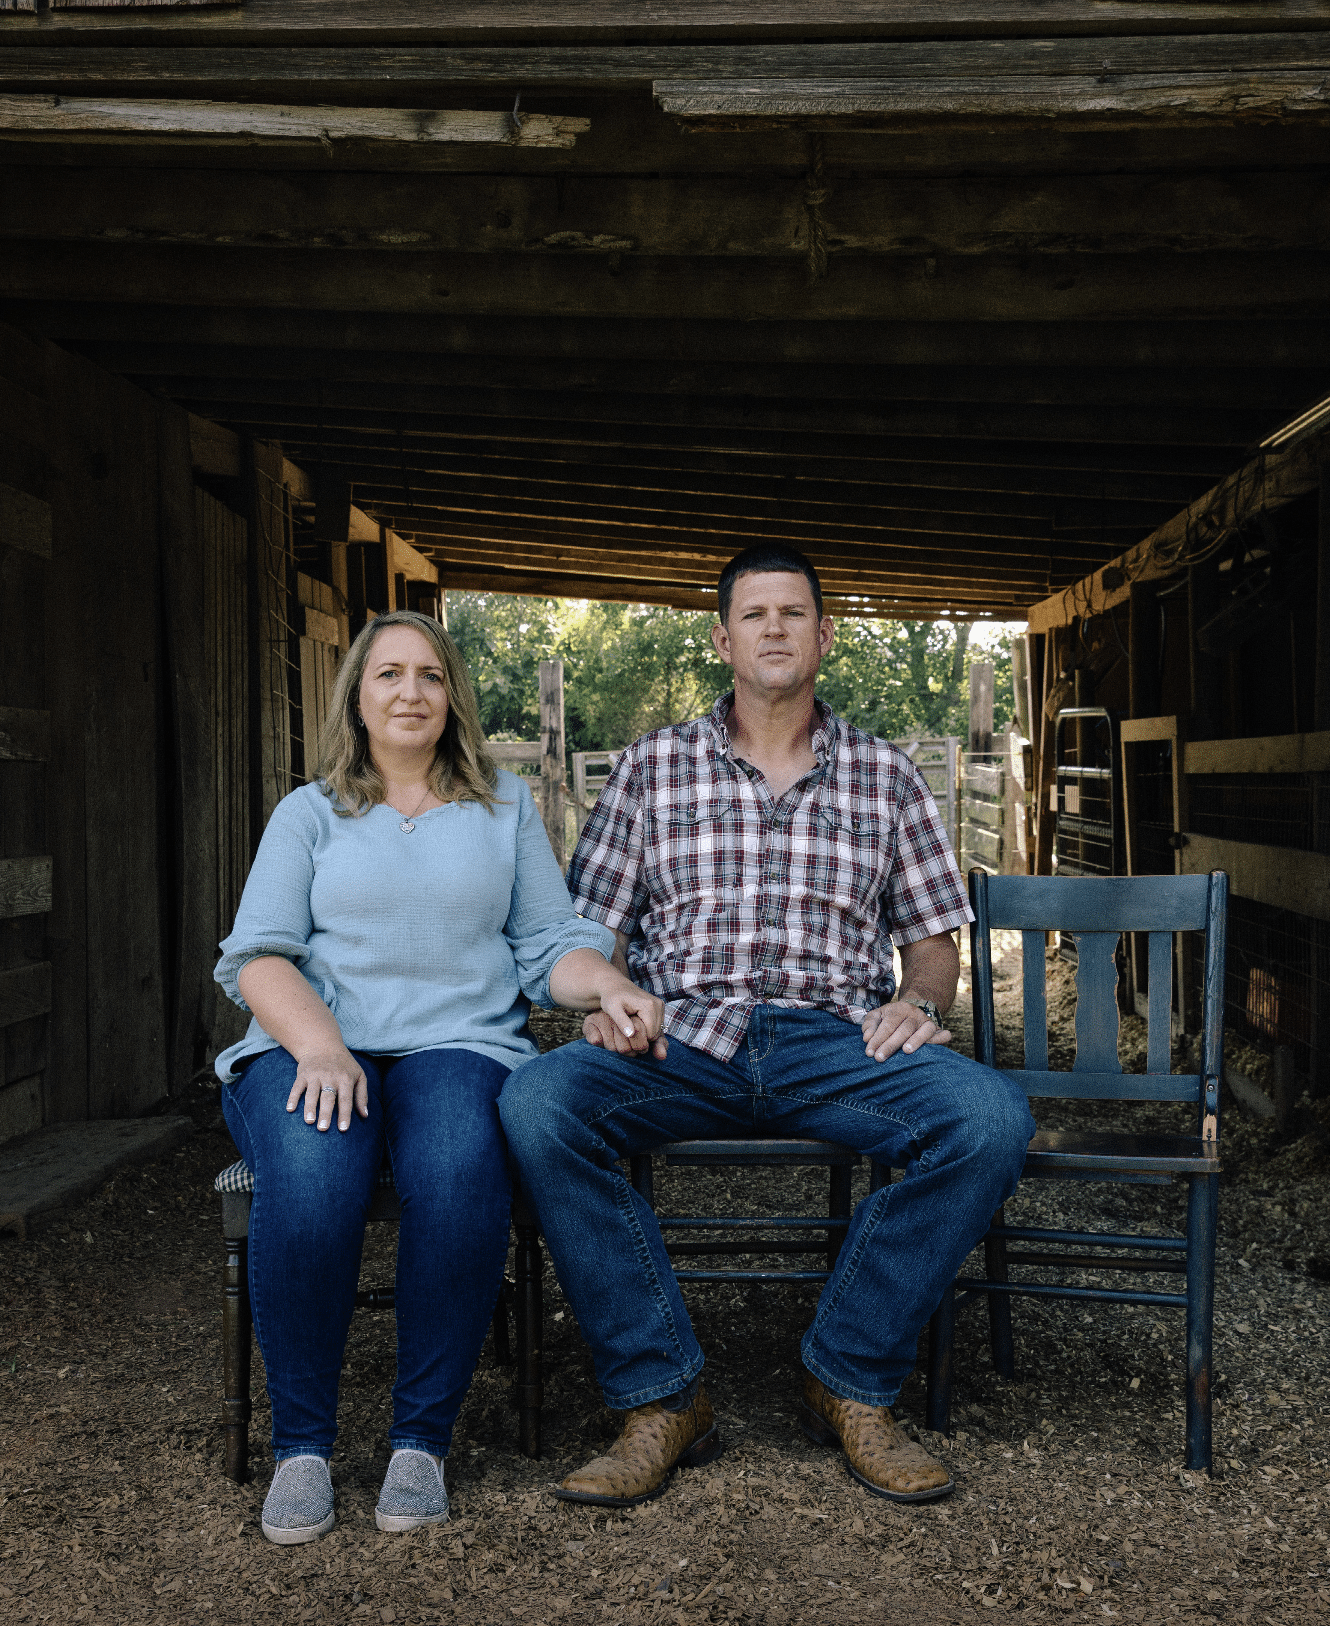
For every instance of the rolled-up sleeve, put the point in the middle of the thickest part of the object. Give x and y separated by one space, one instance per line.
606 874
541 926
274 915
926 895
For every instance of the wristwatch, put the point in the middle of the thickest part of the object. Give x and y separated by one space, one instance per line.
927 1006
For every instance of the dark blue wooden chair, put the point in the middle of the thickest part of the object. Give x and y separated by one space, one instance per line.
1095 912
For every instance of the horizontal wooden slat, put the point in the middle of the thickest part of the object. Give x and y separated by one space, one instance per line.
24 992
25 736
1110 1086
247 122
509 753
990 813
1276 753
25 522
1134 730
985 777
1132 904
320 626
984 844
25 887
1280 877
1090 100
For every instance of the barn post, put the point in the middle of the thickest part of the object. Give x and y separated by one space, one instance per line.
552 759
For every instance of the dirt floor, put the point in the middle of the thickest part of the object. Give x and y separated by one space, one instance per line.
1071 1496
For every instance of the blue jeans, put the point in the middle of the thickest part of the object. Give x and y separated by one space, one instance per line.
958 1130
436 1114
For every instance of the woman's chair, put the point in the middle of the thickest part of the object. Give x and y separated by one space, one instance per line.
1095 912
236 1186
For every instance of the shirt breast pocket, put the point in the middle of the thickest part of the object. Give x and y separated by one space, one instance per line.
697 851
852 858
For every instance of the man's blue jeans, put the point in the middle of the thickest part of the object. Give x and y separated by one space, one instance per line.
958 1130
436 1113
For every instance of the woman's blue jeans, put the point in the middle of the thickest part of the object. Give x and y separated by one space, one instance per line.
436 1114
957 1129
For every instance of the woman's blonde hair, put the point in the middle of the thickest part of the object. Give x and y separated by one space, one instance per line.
463 771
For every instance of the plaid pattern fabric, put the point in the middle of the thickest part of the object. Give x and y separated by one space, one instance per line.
731 899
239 1177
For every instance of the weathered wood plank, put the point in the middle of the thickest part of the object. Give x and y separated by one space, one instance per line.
114 333
25 734
1281 877
1277 753
248 122
986 778
25 992
25 887
1264 482
1048 288
990 813
985 845
569 45
1091 101
91 5
214 449
758 214
25 522
509 753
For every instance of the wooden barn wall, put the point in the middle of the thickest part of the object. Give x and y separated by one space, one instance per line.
119 631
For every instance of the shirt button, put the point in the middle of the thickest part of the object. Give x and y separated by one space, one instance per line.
773 920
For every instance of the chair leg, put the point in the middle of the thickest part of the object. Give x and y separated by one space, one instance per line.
941 1355
503 1351
530 1328
999 1305
642 1178
1202 1218
838 1208
237 1324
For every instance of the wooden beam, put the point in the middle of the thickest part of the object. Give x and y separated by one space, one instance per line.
25 735
214 450
1264 482
1269 390
629 46
761 214
108 119
289 406
1276 753
123 328
25 887
1106 99
1003 288
1279 877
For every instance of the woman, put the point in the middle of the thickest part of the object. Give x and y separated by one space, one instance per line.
399 916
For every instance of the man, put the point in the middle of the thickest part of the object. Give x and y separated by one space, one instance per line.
756 866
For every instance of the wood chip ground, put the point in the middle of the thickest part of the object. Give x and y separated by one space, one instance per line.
1071 1496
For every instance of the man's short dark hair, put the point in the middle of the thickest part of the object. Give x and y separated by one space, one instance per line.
762 560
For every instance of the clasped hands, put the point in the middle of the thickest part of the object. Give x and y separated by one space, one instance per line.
887 1029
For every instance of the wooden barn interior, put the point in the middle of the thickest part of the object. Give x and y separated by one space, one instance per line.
312 309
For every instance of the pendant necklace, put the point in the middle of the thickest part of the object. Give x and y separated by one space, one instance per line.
408 824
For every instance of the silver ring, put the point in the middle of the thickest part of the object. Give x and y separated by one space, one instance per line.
328 1089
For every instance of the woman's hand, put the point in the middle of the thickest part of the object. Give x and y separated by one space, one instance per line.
628 1021
331 1081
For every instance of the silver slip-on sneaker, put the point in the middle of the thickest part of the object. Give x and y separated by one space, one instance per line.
299 1506
413 1493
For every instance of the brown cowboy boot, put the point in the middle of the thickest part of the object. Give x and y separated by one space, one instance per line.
652 1444
879 1453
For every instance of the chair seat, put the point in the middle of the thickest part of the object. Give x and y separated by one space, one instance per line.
1058 1151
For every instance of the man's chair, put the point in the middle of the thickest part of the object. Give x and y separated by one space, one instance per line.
737 1232
236 1186
1095 912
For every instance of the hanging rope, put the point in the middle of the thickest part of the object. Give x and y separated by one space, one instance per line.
816 193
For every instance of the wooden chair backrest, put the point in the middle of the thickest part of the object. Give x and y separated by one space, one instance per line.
1095 911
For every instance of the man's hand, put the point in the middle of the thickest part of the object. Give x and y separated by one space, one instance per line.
902 1027
603 1029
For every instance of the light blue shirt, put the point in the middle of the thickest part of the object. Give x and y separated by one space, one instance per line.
441 937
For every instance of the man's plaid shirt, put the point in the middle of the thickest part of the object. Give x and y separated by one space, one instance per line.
731 900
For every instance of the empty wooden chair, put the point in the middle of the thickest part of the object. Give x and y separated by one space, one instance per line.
1095 912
